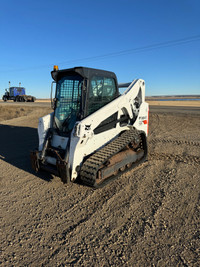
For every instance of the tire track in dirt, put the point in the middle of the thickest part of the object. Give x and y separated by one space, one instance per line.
174 142
187 159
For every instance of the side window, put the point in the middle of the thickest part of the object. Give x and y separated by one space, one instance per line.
102 90
96 87
109 89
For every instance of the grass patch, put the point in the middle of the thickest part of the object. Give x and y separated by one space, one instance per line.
8 113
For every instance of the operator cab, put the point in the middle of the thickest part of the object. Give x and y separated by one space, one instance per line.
7 93
80 92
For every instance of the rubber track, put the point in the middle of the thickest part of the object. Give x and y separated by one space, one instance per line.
91 166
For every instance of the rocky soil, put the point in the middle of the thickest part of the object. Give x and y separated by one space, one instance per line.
149 216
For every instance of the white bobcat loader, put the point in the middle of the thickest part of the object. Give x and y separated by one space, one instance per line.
93 132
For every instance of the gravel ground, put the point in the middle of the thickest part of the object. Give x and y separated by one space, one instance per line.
147 217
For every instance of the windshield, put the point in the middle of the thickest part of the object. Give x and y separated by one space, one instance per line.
68 98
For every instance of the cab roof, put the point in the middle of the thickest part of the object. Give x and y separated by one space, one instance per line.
82 71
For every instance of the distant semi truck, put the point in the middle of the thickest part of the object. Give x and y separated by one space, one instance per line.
17 94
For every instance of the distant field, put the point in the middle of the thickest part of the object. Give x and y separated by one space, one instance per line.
177 100
183 97
187 103
43 100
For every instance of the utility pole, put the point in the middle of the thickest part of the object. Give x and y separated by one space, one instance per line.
9 85
19 84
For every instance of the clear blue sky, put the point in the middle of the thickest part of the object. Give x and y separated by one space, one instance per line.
35 35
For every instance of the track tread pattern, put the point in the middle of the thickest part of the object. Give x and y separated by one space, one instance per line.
91 166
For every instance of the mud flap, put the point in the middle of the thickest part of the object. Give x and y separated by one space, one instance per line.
34 161
63 170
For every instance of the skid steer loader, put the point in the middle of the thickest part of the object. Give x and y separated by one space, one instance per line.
93 132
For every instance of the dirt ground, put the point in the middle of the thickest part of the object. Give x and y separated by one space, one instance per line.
149 216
